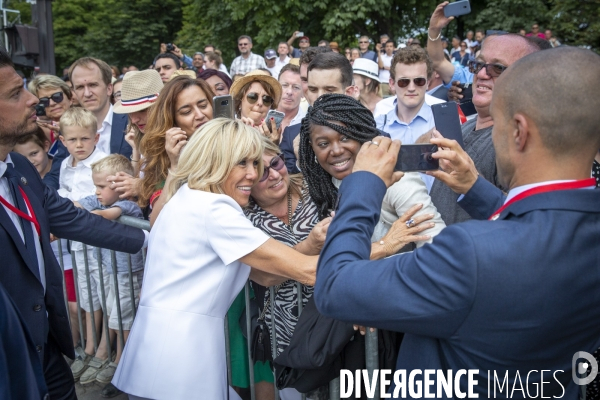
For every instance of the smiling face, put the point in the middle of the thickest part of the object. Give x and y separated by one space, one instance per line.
192 109
274 188
105 195
79 141
257 111
244 46
36 155
17 118
335 152
240 180
412 96
54 110
90 89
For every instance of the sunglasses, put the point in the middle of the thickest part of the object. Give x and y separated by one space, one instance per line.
493 70
252 98
404 82
57 97
277 163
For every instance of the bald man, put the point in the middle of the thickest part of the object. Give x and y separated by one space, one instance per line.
510 301
497 53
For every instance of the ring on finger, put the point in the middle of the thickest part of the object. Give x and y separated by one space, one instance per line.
375 143
410 223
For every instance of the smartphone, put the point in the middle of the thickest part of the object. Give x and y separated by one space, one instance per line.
466 103
447 121
223 107
417 157
299 34
457 8
278 115
40 110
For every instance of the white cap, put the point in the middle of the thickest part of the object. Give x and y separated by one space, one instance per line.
366 67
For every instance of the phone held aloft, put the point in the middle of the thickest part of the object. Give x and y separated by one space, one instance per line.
457 8
417 158
447 121
223 107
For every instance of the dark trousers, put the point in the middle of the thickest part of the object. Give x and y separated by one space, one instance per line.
57 373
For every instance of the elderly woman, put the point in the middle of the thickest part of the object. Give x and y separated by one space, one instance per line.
184 105
218 81
56 97
176 348
140 90
332 133
254 95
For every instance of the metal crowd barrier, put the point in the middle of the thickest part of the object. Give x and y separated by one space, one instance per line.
372 360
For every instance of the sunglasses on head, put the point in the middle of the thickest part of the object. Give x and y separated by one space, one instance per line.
404 82
277 163
252 98
57 97
493 70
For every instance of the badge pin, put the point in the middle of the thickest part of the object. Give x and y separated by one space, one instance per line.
23 180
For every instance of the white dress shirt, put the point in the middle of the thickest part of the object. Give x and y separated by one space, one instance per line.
298 118
76 182
7 195
104 130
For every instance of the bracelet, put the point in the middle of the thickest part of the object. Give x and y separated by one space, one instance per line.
131 158
437 38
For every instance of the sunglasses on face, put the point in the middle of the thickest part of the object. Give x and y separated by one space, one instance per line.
252 98
493 70
404 82
57 97
277 163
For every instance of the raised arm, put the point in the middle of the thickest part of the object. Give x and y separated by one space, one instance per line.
434 45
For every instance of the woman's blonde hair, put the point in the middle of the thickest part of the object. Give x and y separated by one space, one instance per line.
296 181
49 82
213 151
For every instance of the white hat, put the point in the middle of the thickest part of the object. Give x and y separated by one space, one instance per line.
366 67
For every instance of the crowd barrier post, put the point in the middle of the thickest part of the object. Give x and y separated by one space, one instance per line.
77 300
113 264
103 299
372 357
249 336
86 266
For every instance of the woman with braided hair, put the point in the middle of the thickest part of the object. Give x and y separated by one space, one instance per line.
332 133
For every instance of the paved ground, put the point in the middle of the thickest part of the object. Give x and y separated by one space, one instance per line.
92 392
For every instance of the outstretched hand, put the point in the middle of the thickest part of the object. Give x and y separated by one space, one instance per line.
438 20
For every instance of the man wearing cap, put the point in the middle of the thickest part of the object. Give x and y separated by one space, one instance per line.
271 61
247 61
366 78
363 45
198 61
304 44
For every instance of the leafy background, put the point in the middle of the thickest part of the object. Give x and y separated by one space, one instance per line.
130 32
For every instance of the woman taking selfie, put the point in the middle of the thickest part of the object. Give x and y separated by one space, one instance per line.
55 95
254 95
176 348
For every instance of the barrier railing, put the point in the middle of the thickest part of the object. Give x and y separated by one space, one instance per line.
334 385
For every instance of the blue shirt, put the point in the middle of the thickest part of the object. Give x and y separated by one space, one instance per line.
461 74
408 133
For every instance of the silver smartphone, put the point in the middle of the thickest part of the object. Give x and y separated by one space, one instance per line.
223 107
278 115
457 8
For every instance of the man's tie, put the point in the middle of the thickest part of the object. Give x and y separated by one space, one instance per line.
13 182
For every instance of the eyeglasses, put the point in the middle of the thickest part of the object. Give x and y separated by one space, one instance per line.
493 70
404 82
304 41
57 97
277 163
252 98
363 41
117 95
243 44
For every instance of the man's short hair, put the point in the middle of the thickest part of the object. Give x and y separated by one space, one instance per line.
245 37
364 37
411 55
112 164
171 56
309 54
331 60
385 35
5 60
289 67
323 41
79 117
86 62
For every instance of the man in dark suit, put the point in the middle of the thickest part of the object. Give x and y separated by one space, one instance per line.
29 212
507 296
92 85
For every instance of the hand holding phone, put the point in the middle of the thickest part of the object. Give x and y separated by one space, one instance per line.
447 121
299 34
277 116
457 8
223 107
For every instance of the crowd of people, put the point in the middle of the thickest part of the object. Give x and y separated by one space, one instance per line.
308 208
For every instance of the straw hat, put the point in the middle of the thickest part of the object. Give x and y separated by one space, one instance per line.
183 72
257 76
139 91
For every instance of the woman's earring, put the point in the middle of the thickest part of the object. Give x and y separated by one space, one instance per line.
316 159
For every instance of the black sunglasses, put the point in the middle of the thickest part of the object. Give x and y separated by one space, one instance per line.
493 70
404 82
253 98
57 97
277 163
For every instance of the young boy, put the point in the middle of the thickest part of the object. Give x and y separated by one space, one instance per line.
107 204
78 129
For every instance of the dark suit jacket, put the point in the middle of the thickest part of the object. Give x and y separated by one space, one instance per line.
118 145
287 147
516 294
441 93
19 271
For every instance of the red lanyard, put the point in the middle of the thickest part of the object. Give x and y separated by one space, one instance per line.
590 182
21 214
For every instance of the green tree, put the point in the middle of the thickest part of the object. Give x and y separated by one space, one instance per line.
576 22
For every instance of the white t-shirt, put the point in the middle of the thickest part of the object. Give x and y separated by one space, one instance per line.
384 74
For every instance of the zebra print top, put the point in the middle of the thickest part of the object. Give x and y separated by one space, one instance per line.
304 218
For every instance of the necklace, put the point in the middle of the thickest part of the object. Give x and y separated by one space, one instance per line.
289 198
